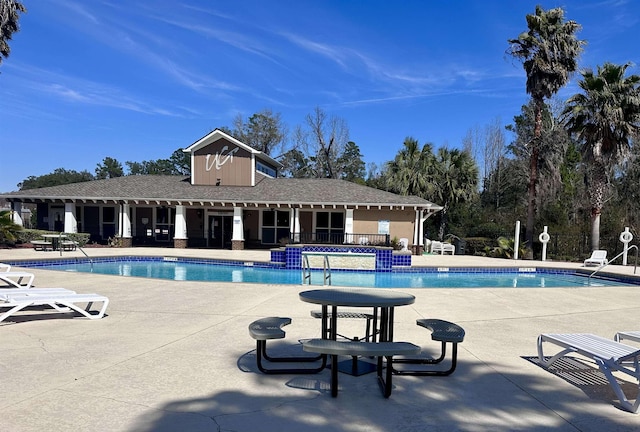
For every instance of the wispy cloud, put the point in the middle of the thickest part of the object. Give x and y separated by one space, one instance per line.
126 36
74 90
387 75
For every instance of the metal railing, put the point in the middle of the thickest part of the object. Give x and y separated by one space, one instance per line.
306 269
61 247
635 266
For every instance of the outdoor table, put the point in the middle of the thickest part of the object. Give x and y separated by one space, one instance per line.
383 299
56 239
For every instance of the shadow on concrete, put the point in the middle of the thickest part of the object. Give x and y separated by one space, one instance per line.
475 398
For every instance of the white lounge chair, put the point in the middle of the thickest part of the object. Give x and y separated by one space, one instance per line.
61 302
404 244
16 278
609 355
597 258
630 335
442 248
10 292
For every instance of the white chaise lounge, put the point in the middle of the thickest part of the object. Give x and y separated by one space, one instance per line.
630 335
442 248
15 278
597 258
60 302
609 355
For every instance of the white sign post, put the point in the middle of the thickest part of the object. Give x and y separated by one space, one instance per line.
544 239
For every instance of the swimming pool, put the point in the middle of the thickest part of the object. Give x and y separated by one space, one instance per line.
172 268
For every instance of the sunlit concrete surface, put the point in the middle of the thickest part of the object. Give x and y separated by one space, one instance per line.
177 356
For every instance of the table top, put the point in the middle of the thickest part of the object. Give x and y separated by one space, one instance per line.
54 235
357 297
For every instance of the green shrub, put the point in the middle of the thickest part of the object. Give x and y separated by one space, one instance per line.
27 235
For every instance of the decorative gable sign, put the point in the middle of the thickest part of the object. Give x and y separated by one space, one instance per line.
220 158
222 163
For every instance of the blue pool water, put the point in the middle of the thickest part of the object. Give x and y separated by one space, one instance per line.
173 269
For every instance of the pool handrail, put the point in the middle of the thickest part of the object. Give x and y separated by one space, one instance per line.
635 266
77 246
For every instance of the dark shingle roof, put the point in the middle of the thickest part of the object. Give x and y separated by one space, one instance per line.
268 191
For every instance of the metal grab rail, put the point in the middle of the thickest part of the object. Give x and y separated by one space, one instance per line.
77 247
615 258
306 270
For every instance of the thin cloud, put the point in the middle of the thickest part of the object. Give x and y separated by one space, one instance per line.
72 89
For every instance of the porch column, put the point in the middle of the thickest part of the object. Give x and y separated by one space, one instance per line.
295 225
124 222
348 226
237 239
180 228
416 232
70 221
16 213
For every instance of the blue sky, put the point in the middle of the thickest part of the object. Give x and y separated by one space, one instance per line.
136 80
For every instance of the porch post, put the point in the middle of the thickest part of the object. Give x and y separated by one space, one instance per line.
180 229
70 221
348 226
16 213
295 225
237 239
417 234
125 226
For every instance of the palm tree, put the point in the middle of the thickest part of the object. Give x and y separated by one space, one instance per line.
8 24
409 173
604 119
455 180
8 228
549 52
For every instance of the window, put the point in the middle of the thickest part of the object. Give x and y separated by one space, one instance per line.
164 224
265 169
330 227
108 222
275 226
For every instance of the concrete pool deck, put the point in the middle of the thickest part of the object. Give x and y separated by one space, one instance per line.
178 356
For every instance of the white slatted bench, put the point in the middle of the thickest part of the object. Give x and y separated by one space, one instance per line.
42 245
441 331
69 245
364 349
608 354
630 335
271 328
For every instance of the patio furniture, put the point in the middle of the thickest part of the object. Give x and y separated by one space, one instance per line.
6 293
42 245
68 245
630 335
15 278
443 332
57 240
382 302
368 349
597 258
609 355
63 302
369 334
442 248
271 328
